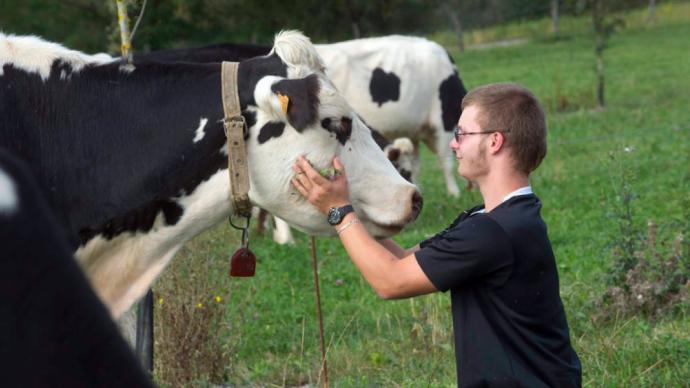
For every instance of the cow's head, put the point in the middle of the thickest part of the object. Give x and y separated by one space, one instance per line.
304 114
403 154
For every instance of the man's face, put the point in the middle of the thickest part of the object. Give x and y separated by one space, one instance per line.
470 149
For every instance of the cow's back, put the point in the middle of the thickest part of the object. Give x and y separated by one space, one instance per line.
393 82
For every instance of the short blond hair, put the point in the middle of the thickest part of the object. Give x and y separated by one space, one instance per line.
512 108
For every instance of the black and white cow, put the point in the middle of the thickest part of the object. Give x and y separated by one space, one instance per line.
54 331
134 162
404 87
400 152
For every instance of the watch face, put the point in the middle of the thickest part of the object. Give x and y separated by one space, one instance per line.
334 216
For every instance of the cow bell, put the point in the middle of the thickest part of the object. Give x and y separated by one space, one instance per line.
243 263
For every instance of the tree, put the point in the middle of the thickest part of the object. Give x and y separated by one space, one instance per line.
651 11
455 22
554 18
603 29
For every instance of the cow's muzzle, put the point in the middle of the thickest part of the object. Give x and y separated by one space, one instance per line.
417 203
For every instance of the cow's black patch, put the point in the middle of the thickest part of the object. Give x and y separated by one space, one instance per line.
384 87
451 93
303 107
345 130
141 220
342 129
172 212
269 130
250 72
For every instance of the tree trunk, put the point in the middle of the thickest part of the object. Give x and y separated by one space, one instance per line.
455 21
354 19
554 18
600 79
355 30
600 37
651 11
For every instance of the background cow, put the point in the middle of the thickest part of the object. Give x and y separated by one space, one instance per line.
135 162
54 331
404 87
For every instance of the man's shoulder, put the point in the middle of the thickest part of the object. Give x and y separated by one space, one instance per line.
521 206
479 227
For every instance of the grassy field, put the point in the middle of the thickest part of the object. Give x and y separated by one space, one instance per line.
266 331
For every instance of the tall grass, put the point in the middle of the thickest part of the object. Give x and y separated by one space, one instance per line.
268 335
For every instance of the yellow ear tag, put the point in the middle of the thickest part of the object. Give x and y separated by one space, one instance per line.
284 101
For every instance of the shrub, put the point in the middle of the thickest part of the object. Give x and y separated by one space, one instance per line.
189 326
650 270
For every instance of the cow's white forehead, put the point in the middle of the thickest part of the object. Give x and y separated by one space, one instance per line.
8 194
35 55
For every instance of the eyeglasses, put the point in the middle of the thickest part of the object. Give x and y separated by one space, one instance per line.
457 134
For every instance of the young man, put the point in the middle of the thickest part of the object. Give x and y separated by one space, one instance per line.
496 258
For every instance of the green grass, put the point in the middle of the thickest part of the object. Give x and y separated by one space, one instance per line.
270 320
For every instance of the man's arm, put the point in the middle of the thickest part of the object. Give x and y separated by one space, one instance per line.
396 249
390 276
392 273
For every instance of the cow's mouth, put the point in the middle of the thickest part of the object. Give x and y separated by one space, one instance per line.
387 230
384 230
379 230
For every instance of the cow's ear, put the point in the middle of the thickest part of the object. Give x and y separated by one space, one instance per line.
299 99
392 153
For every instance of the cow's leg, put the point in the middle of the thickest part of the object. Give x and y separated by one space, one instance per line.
439 144
447 161
261 219
144 339
281 232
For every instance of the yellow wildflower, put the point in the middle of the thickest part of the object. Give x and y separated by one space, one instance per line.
218 299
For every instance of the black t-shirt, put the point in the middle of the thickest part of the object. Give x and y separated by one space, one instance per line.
508 318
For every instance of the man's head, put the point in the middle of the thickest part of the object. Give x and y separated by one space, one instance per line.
510 119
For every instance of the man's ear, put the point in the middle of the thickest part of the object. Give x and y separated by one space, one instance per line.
496 142
299 99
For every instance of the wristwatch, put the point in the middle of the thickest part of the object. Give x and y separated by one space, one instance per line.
336 214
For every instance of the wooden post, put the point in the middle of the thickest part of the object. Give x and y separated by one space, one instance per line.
123 22
144 338
600 36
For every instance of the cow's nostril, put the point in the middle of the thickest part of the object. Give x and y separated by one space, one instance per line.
417 203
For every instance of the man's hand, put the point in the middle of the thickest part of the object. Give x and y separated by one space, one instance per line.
324 193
